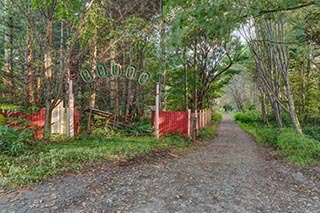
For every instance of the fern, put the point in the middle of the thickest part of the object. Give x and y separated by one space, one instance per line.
9 107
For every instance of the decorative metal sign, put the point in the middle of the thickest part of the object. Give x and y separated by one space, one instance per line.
116 71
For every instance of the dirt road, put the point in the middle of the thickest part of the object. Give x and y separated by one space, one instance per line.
229 174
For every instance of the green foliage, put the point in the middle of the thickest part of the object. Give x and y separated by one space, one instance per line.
209 131
248 117
286 119
141 127
9 107
267 136
103 132
313 119
312 131
61 155
217 117
296 148
250 107
177 139
299 149
14 140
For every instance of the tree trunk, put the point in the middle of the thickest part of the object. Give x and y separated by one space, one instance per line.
264 107
162 74
292 110
195 98
48 75
112 57
277 113
283 66
30 93
186 107
93 92
128 98
37 87
8 58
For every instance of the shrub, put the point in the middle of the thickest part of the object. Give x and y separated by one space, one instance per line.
248 117
9 107
299 149
14 140
103 132
217 117
312 131
286 119
141 127
268 136
313 119
250 107
208 132
177 139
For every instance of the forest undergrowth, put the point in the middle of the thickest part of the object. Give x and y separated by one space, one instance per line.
299 149
27 161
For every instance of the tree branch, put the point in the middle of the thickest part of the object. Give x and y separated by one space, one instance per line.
264 12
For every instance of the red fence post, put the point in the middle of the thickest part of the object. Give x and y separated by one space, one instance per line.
202 118
189 122
205 117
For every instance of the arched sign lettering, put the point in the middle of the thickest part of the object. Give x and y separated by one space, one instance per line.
86 75
144 78
131 72
101 70
116 71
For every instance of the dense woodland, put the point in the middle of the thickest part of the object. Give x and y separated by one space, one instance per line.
259 54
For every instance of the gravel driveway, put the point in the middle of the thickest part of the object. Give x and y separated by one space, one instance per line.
229 174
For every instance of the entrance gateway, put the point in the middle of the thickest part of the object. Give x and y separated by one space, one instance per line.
101 71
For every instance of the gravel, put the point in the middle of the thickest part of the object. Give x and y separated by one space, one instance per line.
228 174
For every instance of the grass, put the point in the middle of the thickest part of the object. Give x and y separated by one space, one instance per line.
60 155
208 132
47 159
293 147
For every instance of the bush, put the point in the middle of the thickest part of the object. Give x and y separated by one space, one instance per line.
268 136
286 119
216 117
208 132
141 127
312 131
177 139
103 132
248 117
299 149
14 140
249 107
314 119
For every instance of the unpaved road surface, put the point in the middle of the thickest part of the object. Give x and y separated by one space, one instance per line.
229 174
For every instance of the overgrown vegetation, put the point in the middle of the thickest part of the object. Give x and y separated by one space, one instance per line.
295 148
59 155
209 131
13 141
24 163
15 136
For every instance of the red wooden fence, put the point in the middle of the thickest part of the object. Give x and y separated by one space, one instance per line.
37 120
178 121
172 122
